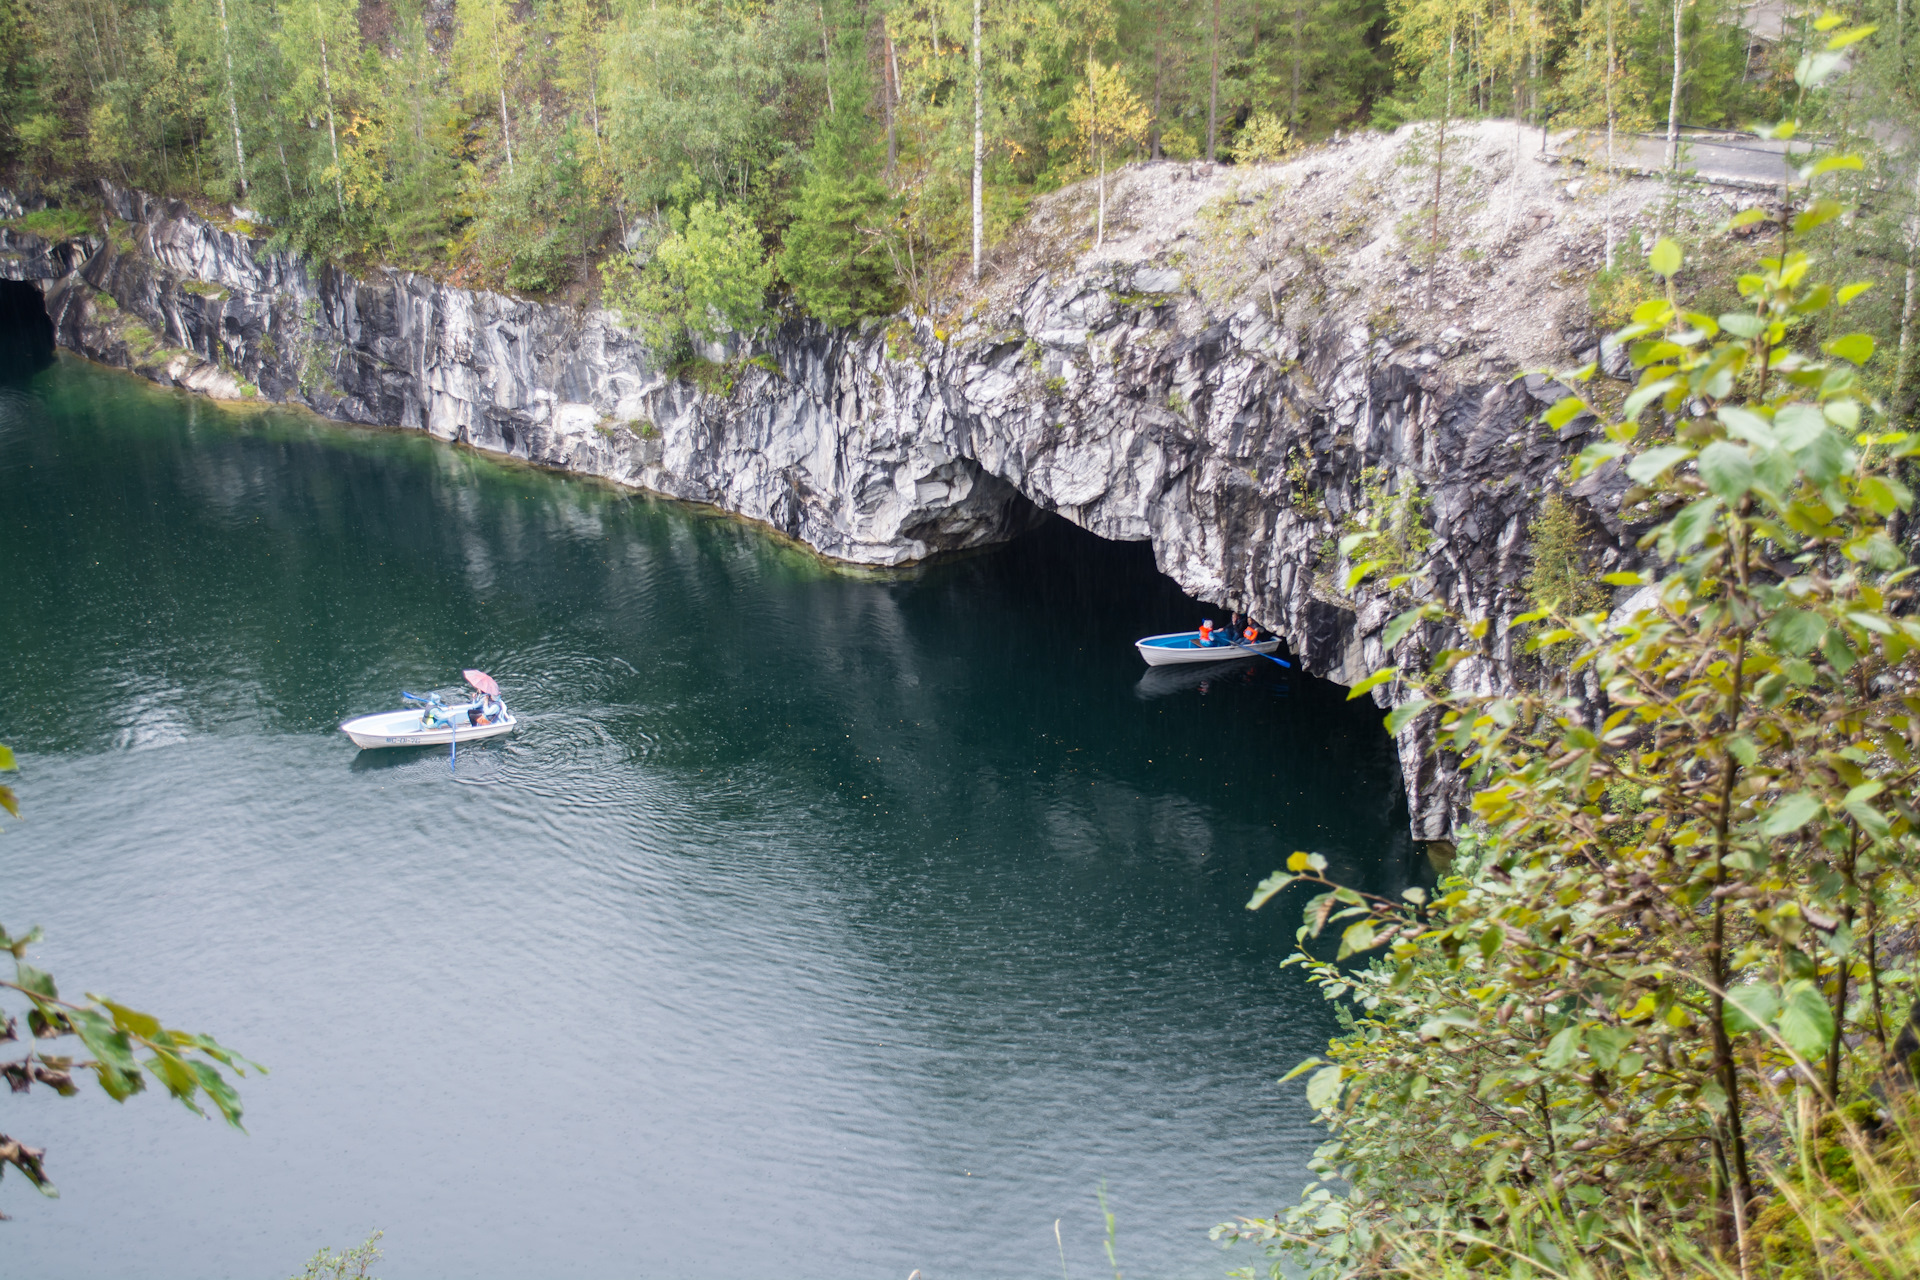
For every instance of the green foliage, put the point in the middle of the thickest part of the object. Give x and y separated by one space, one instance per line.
1265 139
1241 234
349 1264
715 377
488 48
421 207
1657 974
1562 578
1177 144
54 224
1306 497
1387 532
538 230
708 275
505 145
186 1064
1616 291
701 87
8 801
111 1036
17 76
834 254
1448 195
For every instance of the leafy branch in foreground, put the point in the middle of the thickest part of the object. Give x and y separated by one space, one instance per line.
349 1264
1658 976
187 1065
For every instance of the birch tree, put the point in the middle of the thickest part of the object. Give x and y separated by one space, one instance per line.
1107 115
486 57
233 103
979 147
319 46
579 42
1673 102
1213 85
1426 34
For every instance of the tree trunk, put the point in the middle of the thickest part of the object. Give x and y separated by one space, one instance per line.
1299 41
500 71
1213 88
1159 73
1740 1188
286 174
979 147
1100 219
1516 58
233 104
826 57
1097 144
593 106
506 130
1439 169
326 83
1673 102
1839 1043
1473 61
1903 357
889 93
1612 119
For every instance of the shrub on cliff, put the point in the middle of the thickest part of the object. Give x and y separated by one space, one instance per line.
1652 1000
708 274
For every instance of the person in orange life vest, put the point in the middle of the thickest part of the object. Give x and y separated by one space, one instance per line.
1252 633
1206 633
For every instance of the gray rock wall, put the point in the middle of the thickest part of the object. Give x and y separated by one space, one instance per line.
1238 428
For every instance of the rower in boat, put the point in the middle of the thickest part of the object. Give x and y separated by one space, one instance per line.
434 723
1209 644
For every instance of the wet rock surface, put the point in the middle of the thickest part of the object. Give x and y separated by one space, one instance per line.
1238 397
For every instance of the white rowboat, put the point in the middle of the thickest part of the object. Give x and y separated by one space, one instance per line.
408 729
1184 646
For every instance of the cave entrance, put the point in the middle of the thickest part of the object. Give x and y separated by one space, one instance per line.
1114 589
26 332
1282 759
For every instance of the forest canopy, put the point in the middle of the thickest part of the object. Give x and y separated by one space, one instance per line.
530 144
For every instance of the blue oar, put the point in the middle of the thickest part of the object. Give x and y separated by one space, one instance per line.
1256 653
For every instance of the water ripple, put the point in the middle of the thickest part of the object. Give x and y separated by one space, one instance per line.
884 918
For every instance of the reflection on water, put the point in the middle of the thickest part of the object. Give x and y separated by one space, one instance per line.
811 924
1205 678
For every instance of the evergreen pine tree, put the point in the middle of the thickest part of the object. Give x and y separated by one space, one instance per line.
832 256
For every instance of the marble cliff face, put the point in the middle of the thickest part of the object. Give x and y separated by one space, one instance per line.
1245 363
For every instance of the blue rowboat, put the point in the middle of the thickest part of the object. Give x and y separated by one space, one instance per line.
1186 646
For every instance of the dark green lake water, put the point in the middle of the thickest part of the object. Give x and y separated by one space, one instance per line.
811 926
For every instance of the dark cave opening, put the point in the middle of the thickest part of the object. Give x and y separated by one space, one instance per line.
26 332
1094 597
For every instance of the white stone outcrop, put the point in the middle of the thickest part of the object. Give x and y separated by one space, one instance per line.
1233 396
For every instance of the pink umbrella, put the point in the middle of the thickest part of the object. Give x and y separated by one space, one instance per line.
482 681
